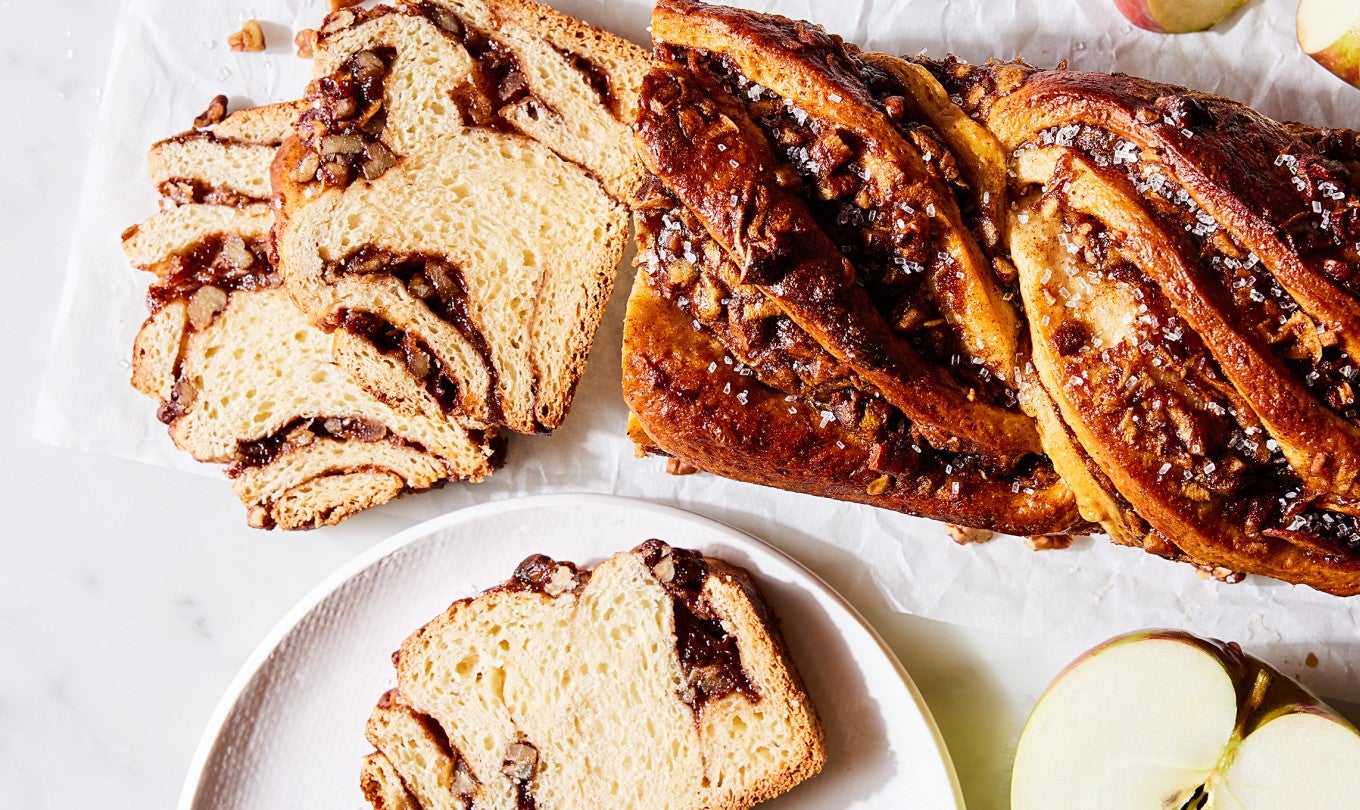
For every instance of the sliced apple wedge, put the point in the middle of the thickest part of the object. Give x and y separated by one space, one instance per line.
1164 719
1329 32
1295 759
1177 16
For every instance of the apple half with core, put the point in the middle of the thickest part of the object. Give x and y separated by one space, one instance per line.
1329 31
1177 16
1164 719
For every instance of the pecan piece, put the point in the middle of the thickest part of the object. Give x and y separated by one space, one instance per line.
305 40
250 38
217 110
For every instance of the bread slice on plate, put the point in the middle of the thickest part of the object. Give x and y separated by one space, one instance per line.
242 377
657 679
459 183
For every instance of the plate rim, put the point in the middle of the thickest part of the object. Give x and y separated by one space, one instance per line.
373 555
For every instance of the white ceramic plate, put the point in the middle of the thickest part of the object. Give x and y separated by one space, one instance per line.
289 731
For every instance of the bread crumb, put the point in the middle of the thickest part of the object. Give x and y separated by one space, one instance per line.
1311 660
879 485
1049 542
250 38
964 535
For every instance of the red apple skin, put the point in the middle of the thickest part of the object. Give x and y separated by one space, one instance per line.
1136 12
1342 58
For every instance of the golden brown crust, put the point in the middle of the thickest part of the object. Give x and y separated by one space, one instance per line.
835 87
815 233
1186 265
718 70
689 401
710 154
1182 270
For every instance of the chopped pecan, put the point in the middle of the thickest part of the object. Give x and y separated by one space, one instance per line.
250 38
217 110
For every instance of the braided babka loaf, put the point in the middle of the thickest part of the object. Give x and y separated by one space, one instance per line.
453 202
818 236
1004 297
243 379
657 679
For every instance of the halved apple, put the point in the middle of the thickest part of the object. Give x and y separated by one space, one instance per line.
1164 719
1177 16
1329 31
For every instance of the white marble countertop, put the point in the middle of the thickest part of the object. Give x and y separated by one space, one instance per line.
130 595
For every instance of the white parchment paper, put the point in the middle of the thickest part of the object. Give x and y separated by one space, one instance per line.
170 58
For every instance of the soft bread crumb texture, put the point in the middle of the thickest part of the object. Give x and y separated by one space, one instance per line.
592 680
528 212
252 367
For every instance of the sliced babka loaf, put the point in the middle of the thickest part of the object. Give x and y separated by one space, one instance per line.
242 377
458 183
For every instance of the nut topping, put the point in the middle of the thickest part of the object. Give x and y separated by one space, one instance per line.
337 20
1049 542
217 110
446 20
343 144
562 579
306 168
380 159
335 173
675 466
964 535
345 121
250 38
879 485
305 40
711 679
235 253
355 428
182 397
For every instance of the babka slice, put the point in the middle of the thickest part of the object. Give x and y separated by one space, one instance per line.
242 377
458 184
825 223
658 679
